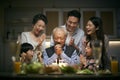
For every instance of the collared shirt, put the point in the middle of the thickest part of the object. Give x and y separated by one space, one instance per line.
77 36
48 60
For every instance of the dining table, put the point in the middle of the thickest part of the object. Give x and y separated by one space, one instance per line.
13 76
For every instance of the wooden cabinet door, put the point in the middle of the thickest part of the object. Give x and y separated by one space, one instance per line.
108 23
107 15
52 21
86 16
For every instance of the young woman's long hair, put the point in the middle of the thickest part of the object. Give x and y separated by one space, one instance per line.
100 36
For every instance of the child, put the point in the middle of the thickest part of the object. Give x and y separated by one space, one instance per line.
87 60
26 53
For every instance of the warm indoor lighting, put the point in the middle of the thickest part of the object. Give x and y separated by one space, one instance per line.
47 44
114 42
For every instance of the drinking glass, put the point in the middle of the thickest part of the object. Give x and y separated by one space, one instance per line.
17 65
114 65
97 51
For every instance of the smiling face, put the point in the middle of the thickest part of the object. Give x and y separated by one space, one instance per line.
39 27
72 23
90 28
88 49
29 55
59 37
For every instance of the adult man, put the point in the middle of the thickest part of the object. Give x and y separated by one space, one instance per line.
60 50
75 34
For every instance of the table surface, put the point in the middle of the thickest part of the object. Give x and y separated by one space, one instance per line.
59 76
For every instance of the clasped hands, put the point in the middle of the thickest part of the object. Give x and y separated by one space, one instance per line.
83 60
58 49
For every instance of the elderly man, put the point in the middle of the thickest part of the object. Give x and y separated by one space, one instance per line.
60 50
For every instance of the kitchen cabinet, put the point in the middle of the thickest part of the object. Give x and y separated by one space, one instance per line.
18 20
56 17
108 18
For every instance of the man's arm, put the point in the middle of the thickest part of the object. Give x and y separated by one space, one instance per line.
74 59
48 60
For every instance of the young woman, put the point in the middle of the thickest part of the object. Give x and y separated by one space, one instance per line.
94 31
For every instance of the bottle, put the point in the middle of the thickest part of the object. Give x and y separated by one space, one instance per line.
16 58
97 51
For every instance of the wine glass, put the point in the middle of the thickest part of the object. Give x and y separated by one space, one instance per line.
97 52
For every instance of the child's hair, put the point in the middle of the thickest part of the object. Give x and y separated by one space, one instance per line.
25 47
90 43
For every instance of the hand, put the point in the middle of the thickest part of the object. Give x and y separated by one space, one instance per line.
58 49
23 55
84 41
83 60
41 38
39 55
71 42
